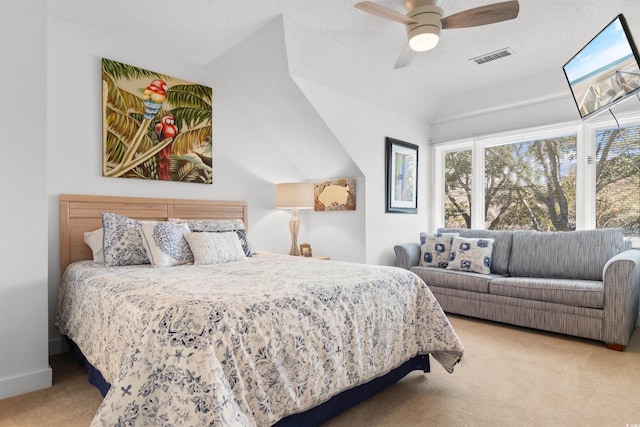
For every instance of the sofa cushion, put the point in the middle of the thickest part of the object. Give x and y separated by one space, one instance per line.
471 254
435 249
453 279
578 254
501 245
579 293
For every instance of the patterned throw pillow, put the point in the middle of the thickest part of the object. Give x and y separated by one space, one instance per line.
214 248
211 225
164 243
471 254
220 225
435 249
122 241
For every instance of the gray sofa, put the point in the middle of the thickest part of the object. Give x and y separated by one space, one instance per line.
581 283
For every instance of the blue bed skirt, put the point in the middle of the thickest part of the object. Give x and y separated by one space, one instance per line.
314 416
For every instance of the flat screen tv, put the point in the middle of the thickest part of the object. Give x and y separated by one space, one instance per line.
605 71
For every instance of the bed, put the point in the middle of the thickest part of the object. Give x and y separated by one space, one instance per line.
265 339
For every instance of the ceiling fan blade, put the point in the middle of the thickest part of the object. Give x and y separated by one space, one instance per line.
405 58
384 12
482 15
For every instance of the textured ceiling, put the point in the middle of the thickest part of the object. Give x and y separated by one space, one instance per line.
335 45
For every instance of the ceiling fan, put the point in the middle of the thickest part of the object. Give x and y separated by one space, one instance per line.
424 21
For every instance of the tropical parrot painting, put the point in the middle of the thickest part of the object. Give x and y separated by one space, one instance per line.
155 126
166 129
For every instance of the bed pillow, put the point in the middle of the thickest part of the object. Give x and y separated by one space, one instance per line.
94 240
211 225
164 243
214 248
220 225
122 244
471 254
435 249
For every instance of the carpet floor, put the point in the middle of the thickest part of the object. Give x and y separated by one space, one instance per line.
510 376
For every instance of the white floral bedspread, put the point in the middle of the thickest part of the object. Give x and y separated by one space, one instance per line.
245 343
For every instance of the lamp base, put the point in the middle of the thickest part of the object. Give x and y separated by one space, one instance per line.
294 227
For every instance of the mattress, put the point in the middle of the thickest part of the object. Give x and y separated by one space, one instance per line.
247 342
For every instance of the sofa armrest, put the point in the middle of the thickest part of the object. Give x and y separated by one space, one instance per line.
407 255
621 277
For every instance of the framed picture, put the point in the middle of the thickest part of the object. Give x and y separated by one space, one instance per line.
402 176
305 250
155 126
335 195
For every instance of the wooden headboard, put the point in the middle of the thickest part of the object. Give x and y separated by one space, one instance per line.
79 213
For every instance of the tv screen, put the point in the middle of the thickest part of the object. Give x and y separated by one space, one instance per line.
605 71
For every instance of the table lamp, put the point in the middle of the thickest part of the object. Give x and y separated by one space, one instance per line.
294 196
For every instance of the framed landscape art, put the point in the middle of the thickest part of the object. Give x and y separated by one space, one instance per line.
154 126
402 176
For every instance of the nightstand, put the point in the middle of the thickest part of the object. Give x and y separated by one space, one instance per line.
315 257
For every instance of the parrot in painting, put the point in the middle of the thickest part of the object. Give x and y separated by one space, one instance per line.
153 97
165 129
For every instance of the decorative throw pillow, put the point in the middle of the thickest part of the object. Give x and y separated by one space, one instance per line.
471 254
214 248
435 249
94 240
164 243
244 242
122 241
211 225
220 225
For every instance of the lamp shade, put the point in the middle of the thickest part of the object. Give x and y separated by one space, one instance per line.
294 195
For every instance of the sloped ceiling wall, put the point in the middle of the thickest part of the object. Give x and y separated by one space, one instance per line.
258 72
272 125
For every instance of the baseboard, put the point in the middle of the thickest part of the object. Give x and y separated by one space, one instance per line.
25 383
58 345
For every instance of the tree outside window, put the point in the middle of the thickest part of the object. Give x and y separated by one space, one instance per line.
457 189
531 185
618 179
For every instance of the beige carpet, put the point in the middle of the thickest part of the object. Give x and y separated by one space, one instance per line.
510 377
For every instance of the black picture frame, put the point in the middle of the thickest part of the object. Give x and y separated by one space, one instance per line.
402 176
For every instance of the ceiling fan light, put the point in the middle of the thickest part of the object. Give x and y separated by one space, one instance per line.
424 41
425 33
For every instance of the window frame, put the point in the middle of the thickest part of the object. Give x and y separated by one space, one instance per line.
591 129
585 164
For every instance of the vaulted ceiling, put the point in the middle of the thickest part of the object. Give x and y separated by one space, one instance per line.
331 43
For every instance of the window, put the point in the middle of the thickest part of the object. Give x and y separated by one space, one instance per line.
531 185
618 179
457 189
568 176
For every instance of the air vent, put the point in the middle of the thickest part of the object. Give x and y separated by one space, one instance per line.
502 53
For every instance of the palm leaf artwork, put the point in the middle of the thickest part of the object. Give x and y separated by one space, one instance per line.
155 126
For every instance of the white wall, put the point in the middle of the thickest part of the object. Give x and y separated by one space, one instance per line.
24 364
362 129
286 125
528 101
523 102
